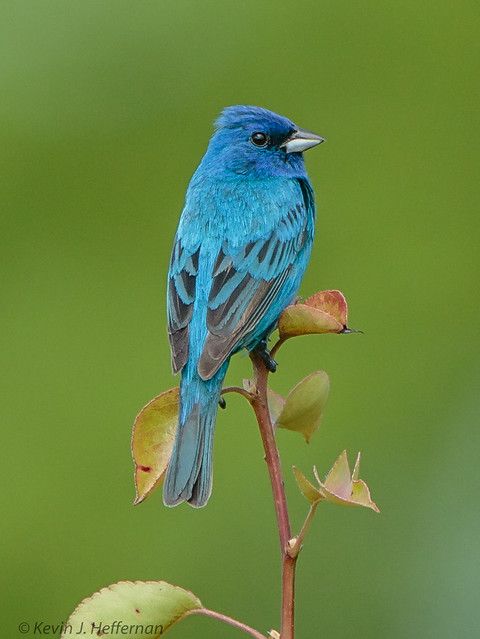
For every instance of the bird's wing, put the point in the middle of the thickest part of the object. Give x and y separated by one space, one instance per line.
180 297
247 280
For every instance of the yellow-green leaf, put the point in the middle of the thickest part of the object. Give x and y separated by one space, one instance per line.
152 441
134 610
304 405
307 489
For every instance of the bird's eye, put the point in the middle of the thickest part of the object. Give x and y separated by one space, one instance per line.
259 138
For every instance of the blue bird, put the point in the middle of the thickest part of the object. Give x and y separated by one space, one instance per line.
241 248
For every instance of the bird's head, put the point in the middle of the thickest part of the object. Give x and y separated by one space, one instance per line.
255 142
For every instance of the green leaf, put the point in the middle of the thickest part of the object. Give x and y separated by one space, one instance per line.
276 404
134 610
324 312
152 441
304 405
307 489
341 487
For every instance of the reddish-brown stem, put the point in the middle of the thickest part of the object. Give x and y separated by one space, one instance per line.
229 620
288 597
272 458
289 548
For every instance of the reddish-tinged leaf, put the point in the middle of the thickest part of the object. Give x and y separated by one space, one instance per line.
324 312
152 441
338 481
331 302
341 487
300 319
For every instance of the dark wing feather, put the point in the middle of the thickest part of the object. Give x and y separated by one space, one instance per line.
246 282
180 297
219 346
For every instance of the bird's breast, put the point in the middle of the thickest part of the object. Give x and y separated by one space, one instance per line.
240 210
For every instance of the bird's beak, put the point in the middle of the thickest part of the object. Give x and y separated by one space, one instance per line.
301 140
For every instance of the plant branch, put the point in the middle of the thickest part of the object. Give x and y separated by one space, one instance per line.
238 389
228 620
272 458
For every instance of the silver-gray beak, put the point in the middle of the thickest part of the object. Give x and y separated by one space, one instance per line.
301 140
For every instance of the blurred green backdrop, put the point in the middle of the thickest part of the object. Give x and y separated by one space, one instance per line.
105 110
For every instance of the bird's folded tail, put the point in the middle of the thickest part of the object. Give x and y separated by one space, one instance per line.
189 473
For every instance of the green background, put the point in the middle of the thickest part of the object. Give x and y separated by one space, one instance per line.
105 110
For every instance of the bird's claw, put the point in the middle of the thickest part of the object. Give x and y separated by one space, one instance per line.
267 359
222 403
270 363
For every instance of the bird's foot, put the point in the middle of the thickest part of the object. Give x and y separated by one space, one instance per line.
267 359
222 403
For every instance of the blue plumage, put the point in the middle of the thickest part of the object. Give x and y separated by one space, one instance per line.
241 248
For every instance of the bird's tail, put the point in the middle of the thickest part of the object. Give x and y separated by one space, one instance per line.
189 473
